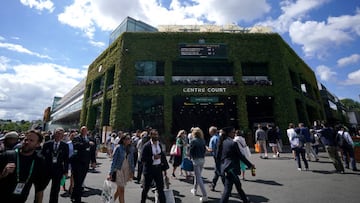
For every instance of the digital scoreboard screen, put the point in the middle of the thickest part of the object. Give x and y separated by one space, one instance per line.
202 50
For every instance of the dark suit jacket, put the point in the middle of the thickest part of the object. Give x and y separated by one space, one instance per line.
81 151
147 158
62 164
230 157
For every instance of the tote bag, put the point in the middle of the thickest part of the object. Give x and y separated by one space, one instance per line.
175 150
257 148
108 191
187 165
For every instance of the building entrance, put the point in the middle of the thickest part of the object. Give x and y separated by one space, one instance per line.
203 112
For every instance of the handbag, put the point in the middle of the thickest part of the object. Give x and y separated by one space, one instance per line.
257 147
108 191
187 165
175 150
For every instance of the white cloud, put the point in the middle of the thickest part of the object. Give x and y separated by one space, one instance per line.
4 63
97 44
353 78
21 49
292 11
87 15
325 73
316 38
348 60
31 88
39 4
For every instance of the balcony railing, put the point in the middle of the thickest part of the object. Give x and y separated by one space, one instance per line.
149 80
203 80
256 80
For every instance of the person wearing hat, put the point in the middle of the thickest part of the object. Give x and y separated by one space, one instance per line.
56 153
10 139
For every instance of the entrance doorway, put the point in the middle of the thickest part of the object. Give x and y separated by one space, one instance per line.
260 110
203 112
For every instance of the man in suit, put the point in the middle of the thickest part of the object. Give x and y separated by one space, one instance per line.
154 165
56 153
229 156
80 161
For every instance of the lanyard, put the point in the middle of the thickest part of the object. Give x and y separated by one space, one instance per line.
18 168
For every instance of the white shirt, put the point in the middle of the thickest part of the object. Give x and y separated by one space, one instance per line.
347 137
290 133
156 150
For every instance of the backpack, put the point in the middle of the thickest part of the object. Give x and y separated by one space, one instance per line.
298 140
341 141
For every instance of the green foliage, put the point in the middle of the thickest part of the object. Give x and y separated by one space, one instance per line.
161 46
351 104
20 126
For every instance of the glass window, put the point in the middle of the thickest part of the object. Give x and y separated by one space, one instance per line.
148 111
203 72
149 72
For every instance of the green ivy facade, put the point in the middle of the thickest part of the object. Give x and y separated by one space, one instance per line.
111 89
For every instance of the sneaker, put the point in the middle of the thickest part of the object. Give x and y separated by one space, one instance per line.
299 169
204 199
274 156
193 192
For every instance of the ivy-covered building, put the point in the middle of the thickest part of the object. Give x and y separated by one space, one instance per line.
176 80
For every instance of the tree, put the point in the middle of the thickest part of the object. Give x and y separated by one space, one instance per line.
351 104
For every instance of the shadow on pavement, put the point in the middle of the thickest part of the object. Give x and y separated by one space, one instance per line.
88 191
266 182
257 198
209 168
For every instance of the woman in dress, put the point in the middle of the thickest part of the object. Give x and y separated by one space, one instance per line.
180 142
123 165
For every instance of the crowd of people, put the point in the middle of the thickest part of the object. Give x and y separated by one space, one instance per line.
305 142
35 158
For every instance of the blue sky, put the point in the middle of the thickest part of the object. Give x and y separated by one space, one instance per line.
47 45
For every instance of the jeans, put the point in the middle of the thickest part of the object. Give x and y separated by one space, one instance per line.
348 154
300 152
198 181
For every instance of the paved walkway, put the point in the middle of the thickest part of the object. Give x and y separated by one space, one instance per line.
277 180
